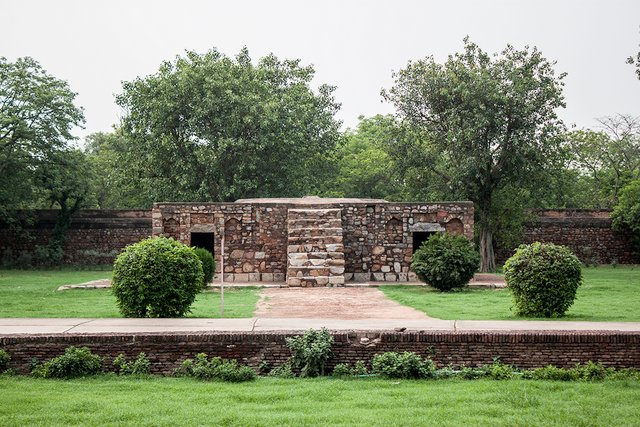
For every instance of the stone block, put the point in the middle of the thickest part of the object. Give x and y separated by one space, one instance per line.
378 277
247 267
278 277
336 280
260 255
412 276
336 270
377 250
361 277
254 277
390 277
403 277
397 267
267 277
241 277
385 269
323 280
293 281
237 254
348 276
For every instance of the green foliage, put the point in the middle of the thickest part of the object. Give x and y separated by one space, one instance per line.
37 115
283 371
4 359
407 365
156 277
341 370
626 214
140 366
208 264
212 128
489 122
543 279
360 368
75 362
310 351
446 261
215 369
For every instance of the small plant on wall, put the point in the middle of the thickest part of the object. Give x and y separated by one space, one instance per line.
446 261
543 279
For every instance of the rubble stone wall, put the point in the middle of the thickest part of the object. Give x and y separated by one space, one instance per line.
377 237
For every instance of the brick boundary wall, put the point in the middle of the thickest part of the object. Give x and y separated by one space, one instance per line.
167 350
588 233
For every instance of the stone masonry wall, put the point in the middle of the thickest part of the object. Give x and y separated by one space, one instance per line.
167 351
95 236
378 237
587 233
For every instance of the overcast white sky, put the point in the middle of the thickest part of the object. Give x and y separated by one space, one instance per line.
354 45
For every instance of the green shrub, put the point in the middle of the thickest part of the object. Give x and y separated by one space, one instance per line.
360 368
75 362
215 369
208 264
341 370
140 366
157 277
283 371
4 360
543 279
446 261
310 351
407 365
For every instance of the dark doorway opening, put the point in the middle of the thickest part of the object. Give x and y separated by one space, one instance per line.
419 237
203 240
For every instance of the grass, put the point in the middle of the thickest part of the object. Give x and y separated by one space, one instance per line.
111 400
608 294
33 293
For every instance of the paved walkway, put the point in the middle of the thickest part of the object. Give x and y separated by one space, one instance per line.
92 326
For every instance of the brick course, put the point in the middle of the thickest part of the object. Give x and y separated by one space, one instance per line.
166 351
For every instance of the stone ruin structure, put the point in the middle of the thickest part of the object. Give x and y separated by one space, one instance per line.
311 241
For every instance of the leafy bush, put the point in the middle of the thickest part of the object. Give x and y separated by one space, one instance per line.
310 351
446 261
75 362
407 365
626 214
140 366
360 368
341 370
543 279
4 360
215 369
157 277
208 264
283 371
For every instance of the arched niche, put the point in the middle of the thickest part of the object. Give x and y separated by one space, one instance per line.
393 230
454 226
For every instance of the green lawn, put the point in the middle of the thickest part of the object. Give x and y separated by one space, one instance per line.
608 294
110 400
32 293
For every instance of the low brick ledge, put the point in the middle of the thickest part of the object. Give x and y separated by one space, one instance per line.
525 349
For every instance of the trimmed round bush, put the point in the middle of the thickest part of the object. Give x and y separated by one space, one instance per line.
446 261
543 279
208 264
156 277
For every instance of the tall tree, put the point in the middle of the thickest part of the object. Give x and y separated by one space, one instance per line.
491 121
209 127
610 156
37 114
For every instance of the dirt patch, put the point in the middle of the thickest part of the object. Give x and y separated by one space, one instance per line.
332 303
94 284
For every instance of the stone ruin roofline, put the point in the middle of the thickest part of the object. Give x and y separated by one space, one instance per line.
314 201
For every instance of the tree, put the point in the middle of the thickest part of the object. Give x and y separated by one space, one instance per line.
211 128
609 156
36 117
626 214
636 62
364 168
490 120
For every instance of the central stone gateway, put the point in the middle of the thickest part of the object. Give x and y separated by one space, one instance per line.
315 249
311 241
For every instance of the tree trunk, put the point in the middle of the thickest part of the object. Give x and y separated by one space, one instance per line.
487 257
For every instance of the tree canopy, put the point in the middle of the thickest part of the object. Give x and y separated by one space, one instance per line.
490 121
212 128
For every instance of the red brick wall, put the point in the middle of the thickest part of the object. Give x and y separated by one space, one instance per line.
166 351
94 237
587 233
